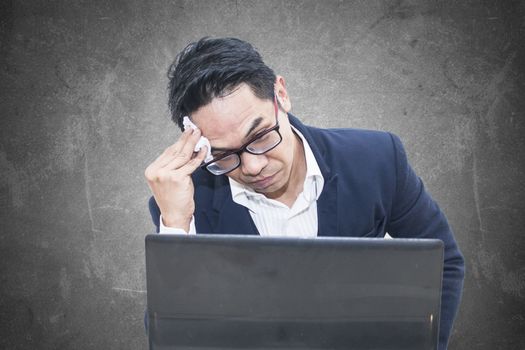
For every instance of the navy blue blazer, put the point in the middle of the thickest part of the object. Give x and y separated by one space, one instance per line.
369 189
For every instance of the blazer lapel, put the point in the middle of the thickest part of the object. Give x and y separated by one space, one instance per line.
327 209
327 202
226 216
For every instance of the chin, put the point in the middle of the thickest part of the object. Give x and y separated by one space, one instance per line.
274 190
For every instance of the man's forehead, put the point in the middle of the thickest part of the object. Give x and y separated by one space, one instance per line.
220 118
230 135
224 103
223 129
226 120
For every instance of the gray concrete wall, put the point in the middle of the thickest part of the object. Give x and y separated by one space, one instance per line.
83 112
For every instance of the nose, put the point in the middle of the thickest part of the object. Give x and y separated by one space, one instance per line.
251 164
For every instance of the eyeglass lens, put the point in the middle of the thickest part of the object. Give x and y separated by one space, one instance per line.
258 146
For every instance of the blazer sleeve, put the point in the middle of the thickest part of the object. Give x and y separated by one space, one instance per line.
155 213
414 214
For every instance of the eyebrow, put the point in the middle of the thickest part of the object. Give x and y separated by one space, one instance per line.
255 125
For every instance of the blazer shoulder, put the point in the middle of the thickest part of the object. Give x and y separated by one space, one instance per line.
352 135
344 138
361 143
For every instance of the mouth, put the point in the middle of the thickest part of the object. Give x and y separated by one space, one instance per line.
262 183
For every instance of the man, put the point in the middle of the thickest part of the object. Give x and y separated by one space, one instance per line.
272 175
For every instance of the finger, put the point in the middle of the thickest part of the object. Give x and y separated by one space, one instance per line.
188 149
169 153
175 148
195 162
185 155
178 162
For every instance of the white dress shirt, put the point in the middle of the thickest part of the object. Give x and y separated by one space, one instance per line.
271 217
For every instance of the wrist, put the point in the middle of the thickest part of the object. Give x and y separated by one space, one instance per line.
176 222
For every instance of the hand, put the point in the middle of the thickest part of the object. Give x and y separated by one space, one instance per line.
169 178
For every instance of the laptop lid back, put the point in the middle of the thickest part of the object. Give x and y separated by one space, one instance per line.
246 292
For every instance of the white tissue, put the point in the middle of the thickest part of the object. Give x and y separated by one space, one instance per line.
186 122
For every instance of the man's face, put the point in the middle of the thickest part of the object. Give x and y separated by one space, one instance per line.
228 122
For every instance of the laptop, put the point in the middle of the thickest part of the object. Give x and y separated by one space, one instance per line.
249 292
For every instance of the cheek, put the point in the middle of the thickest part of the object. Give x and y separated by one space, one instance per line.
287 147
282 155
236 175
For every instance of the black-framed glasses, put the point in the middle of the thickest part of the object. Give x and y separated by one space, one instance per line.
259 144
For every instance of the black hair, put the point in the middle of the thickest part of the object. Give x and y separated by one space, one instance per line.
212 68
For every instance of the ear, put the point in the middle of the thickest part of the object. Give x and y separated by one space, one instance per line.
282 95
